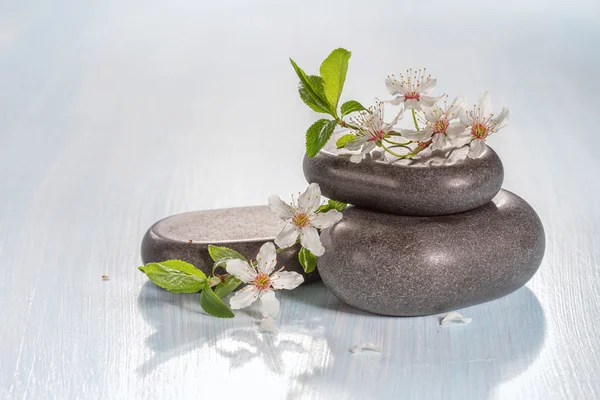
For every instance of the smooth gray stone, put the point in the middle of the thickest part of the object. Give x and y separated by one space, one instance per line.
438 184
244 229
407 266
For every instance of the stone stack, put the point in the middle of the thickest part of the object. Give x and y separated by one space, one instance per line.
424 236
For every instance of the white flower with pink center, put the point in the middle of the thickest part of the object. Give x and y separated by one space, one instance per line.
370 129
440 126
414 89
480 123
262 280
302 220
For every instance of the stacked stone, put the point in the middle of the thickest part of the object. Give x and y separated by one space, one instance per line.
424 236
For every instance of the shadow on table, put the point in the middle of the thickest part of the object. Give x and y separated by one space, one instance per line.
420 358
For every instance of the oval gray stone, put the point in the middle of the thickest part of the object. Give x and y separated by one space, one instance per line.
438 184
408 266
245 229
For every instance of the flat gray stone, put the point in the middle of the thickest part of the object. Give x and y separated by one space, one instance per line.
407 266
187 236
437 184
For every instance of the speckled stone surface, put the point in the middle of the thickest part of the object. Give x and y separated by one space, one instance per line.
187 236
437 184
408 266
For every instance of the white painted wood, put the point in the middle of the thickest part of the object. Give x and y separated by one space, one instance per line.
115 114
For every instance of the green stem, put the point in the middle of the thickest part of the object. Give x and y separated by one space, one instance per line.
398 144
344 124
415 120
394 153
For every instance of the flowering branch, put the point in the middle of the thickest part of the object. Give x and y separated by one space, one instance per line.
440 127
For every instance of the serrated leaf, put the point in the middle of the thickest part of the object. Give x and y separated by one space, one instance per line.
337 205
213 305
307 260
318 135
175 275
224 288
218 253
341 142
350 107
333 71
319 99
317 85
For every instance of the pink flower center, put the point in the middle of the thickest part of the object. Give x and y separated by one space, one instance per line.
479 131
301 220
412 96
440 126
262 281
379 135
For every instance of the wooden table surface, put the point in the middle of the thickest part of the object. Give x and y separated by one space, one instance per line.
116 114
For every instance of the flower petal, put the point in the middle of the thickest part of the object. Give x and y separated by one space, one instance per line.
325 220
266 258
357 143
279 207
287 236
395 101
427 86
310 200
456 108
388 127
438 141
269 304
358 157
286 280
501 120
417 136
461 140
433 114
476 148
485 104
455 316
455 129
309 238
241 270
428 101
393 86
412 104
244 297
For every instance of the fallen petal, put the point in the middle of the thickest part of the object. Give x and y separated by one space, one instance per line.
366 346
455 317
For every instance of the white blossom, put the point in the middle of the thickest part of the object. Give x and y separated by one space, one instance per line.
414 89
480 123
370 129
441 125
303 220
261 281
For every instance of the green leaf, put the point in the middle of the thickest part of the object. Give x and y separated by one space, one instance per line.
332 205
350 107
218 253
307 260
333 71
317 135
313 89
341 142
213 305
337 205
316 82
224 288
175 275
